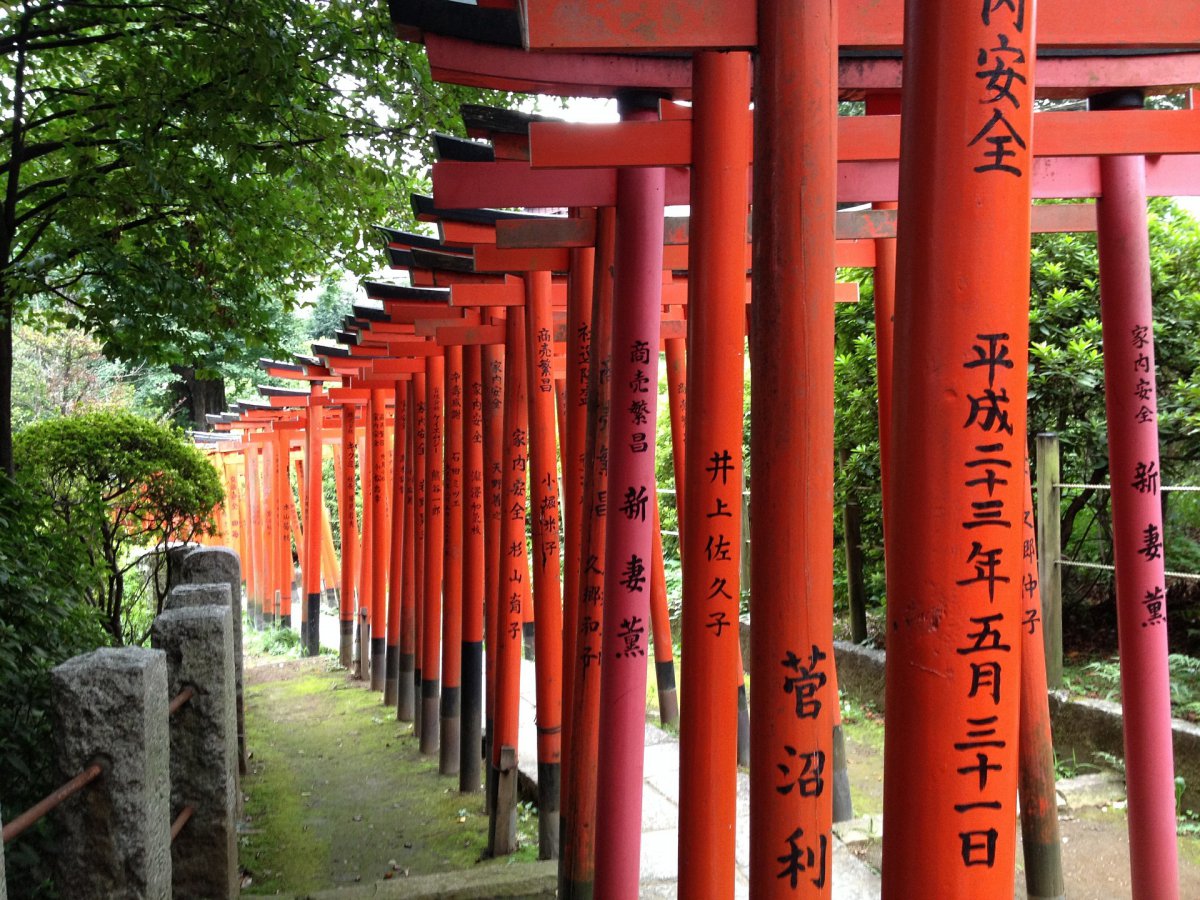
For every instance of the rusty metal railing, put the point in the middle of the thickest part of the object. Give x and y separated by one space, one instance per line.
31 816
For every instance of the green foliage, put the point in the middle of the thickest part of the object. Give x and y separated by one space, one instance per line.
329 311
43 622
1102 678
178 171
1066 395
118 484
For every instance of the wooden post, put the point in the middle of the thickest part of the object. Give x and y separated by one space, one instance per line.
958 434
544 515
391 687
314 502
514 579
711 529
792 448
406 686
574 453
379 546
473 573
435 384
635 330
577 863
1049 551
1131 405
348 518
452 575
419 531
493 533
1039 801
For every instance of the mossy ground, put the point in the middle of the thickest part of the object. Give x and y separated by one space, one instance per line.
338 791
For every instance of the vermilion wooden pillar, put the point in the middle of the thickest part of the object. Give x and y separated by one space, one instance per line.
366 566
574 441
580 782
635 330
282 503
254 534
514 580
406 691
435 384
713 471
452 576
419 434
1039 801
380 545
348 519
792 449
493 532
314 502
958 438
546 565
473 573
396 539
1130 395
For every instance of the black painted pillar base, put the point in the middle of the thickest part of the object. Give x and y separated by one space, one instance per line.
378 662
451 731
346 643
668 697
430 716
527 631
743 735
549 798
391 674
470 755
314 624
406 694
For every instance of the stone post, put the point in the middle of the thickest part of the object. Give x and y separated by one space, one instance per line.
3 887
110 706
198 643
222 565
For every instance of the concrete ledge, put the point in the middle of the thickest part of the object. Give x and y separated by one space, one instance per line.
1081 727
511 880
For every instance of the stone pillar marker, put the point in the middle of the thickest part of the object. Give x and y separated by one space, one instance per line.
198 643
217 565
110 705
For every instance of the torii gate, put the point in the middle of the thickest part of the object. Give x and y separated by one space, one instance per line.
689 32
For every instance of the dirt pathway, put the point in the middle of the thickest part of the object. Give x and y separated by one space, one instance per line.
1092 821
338 792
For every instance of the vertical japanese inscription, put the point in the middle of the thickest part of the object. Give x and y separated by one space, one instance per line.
985 643
1002 68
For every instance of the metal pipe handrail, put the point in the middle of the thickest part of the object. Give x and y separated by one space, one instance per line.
185 816
180 699
25 820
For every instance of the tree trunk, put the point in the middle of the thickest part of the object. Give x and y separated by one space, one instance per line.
204 396
6 369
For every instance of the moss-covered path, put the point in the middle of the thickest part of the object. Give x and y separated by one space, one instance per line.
338 793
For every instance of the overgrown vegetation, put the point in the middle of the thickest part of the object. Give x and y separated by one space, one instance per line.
44 620
118 487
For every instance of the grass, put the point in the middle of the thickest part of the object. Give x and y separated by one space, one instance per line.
339 793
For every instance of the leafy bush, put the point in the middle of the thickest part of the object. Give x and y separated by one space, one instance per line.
117 486
44 620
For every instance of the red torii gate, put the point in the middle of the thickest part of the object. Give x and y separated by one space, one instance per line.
871 175
689 34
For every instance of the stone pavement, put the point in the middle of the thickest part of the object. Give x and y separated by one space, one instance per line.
852 878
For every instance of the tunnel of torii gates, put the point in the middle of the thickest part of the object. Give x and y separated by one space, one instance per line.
499 411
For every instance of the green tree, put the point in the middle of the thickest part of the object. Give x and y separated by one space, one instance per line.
329 311
1066 381
171 173
120 487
